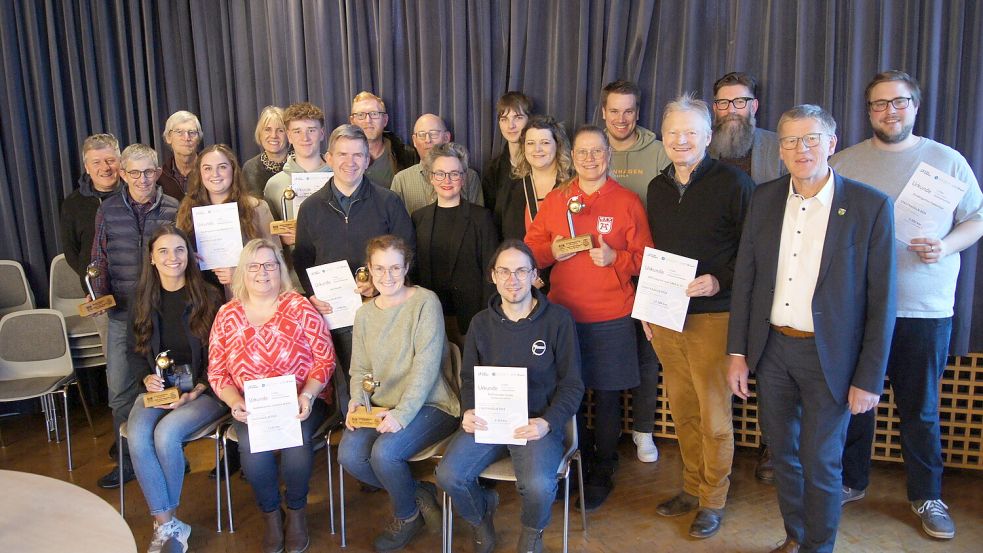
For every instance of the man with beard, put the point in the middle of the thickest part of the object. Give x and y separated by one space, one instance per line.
927 272
736 137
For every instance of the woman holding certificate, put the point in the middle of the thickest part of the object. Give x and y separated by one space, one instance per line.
217 179
520 328
268 330
593 233
397 347
455 240
170 318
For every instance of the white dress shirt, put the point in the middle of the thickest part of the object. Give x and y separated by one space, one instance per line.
799 255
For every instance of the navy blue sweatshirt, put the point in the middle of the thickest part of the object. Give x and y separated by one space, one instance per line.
545 343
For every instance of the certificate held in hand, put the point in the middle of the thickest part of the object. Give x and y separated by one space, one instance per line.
218 236
661 295
272 407
500 399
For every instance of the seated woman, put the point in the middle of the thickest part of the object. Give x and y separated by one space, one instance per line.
455 239
398 339
271 136
506 335
269 330
172 311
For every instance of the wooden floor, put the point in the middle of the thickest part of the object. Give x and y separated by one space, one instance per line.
626 523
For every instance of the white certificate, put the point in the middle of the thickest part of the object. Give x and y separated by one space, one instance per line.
217 234
924 208
661 296
272 407
500 400
333 283
305 184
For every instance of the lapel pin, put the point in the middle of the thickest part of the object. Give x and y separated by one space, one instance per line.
841 211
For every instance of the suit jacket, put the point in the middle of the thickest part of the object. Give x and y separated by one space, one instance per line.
854 300
476 238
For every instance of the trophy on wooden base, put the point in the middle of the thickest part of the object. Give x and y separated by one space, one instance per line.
162 367
287 225
96 305
575 243
366 416
362 275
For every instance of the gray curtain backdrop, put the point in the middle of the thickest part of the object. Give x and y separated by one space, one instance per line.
69 69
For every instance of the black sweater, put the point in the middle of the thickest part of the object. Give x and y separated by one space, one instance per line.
78 224
704 224
545 343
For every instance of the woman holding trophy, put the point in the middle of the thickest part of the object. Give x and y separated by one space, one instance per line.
401 402
593 233
170 318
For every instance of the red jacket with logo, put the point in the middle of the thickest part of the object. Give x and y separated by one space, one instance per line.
593 294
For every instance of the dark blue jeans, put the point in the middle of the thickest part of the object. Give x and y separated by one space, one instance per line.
295 465
535 466
806 428
381 460
919 350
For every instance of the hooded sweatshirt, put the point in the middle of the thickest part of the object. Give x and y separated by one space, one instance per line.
635 167
273 193
545 343
78 223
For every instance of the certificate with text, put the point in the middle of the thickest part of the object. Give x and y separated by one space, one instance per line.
661 295
272 407
924 208
333 283
218 236
500 399
305 184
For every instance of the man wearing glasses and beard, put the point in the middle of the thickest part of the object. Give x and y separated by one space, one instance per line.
736 136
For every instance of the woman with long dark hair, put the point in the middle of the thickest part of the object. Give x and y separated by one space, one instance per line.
172 311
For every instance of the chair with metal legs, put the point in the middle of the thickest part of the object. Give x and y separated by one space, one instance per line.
503 470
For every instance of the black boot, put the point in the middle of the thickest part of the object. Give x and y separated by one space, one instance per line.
597 487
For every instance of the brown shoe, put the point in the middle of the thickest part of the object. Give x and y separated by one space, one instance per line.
297 537
790 546
273 538
765 469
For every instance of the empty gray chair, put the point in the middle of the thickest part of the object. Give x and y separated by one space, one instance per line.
15 292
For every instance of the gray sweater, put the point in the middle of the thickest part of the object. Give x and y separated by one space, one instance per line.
402 347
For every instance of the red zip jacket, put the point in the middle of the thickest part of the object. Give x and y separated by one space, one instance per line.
593 294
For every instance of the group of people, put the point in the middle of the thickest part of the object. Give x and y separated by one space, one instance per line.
799 279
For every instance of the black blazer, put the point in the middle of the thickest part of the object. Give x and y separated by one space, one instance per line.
477 239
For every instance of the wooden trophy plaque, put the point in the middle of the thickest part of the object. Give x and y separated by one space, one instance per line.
574 243
96 305
166 396
366 416
287 225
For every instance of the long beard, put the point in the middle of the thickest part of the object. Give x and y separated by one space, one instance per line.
900 136
733 136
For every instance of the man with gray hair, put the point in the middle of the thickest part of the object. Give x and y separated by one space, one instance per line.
411 184
696 208
736 136
811 312
123 223
182 134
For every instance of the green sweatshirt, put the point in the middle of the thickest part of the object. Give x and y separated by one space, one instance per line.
635 167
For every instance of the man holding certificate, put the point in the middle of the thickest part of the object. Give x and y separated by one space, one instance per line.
923 177
696 209
519 329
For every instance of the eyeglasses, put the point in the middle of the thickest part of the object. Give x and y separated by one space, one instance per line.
432 135
582 155
521 274
373 115
811 140
146 173
439 176
396 271
739 103
901 102
186 134
268 266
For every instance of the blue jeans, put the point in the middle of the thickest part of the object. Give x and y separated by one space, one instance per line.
535 466
806 428
156 440
919 350
295 465
380 460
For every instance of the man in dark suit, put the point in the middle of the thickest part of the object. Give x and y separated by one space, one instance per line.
812 312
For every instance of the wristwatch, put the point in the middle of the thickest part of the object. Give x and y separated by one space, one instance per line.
308 395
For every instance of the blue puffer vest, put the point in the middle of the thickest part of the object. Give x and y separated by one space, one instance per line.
125 241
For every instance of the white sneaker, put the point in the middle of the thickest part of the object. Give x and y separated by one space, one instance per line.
175 529
646 450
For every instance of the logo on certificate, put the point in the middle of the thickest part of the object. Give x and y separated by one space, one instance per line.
605 224
538 347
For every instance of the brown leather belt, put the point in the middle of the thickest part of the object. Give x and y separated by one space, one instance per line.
792 332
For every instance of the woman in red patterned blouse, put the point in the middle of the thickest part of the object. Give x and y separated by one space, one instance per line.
269 330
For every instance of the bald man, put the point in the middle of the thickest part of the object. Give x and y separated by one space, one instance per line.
413 185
